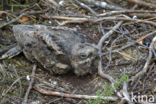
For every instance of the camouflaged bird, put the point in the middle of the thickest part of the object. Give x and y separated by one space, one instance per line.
57 49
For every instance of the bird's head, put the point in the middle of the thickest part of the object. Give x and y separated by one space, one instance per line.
83 58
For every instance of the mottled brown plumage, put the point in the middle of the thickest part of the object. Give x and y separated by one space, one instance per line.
57 49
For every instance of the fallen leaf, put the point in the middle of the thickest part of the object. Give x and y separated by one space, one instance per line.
24 19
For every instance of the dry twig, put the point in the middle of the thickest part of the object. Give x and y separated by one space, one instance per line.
126 19
110 13
145 68
21 15
49 2
55 93
143 3
12 21
131 44
99 46
30 85
69 20
86 7
105 36
104 5
126 94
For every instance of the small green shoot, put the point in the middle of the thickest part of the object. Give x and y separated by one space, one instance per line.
108 90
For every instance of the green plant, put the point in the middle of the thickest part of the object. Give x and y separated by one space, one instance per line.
108 90
96 101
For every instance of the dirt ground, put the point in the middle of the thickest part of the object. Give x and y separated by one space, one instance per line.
138 21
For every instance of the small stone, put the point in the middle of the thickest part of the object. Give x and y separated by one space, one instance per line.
28 77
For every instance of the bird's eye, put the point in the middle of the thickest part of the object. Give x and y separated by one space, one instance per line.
83 56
